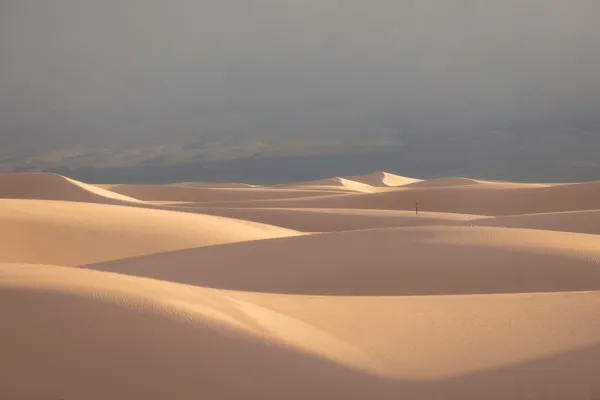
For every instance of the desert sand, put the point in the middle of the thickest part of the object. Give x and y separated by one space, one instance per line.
328 289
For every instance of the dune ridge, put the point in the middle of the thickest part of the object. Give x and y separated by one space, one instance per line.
383 179
47 186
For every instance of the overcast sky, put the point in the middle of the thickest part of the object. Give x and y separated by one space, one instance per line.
90 69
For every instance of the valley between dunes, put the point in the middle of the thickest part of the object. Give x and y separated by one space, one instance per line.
329 289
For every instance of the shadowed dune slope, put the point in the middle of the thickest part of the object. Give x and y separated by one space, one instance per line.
68 233
202 194
114 336
332 220
119 337
570 221
394 261
479 199
382 179
43 186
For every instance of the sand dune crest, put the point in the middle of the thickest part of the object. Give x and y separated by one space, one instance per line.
45 186
383 179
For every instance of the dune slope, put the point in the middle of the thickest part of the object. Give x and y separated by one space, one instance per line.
182 193
477 199
67 233
114 336
332 220
570 221
45 186
332 184
394 261
382 179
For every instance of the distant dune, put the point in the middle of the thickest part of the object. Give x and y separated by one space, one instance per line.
482 199
214 185
445 182
380 178
190 193
335 184
329 289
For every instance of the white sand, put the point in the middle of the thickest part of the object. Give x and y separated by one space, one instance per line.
67 233
381 178
224 291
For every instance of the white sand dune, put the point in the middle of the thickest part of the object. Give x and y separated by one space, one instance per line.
482 199
45 186
460 181
198 290
382 179
202 194
114 336
66 233
390 262
437 182
332 220
334 184
214 185
570 221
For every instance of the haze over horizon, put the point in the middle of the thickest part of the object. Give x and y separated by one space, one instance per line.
148 90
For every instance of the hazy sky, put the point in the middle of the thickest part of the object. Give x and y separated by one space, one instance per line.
146 68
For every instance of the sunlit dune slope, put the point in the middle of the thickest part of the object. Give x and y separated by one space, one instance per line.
70 233
45 186
77 334
382 179
394 261
331 220
480 199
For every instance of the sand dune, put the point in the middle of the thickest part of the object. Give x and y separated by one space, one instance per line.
393 261
214 185
329 289
66 233
483 199
571 221
382 179
437 182
43 186
332 220
113 336
334 184
202 194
